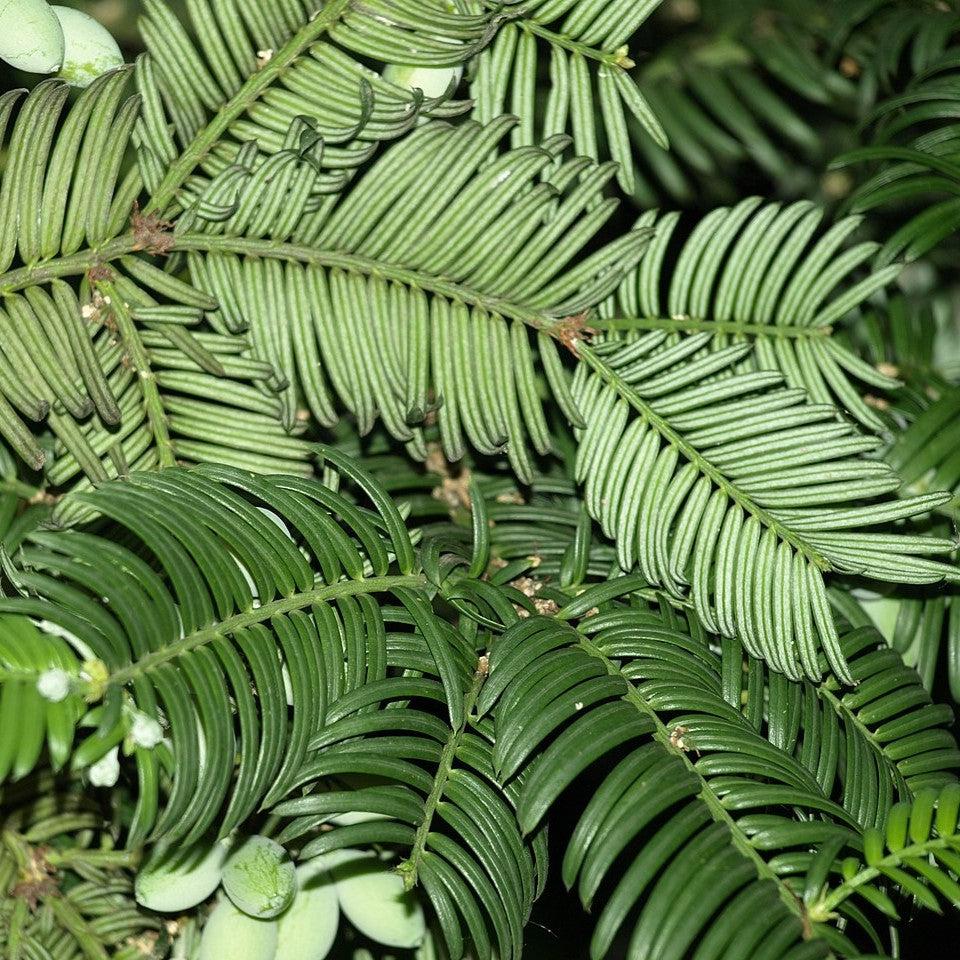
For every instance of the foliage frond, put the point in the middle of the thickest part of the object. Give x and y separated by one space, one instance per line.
214 601
924 628
927 453
867 746
255 66
759 274
751 508
465 261
633 687
115 371
917 849
31 662
722 111
915 133
257 624
65 890
437 803
592 95
647 523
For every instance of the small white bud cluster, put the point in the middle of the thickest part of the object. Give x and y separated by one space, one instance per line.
106 771
54 685
146 732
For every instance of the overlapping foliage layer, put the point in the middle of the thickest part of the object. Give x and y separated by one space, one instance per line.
381 468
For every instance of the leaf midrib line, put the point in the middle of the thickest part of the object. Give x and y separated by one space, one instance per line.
704 466
266 611
718 812
81 262
702 325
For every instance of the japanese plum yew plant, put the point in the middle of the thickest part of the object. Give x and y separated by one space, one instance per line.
462 461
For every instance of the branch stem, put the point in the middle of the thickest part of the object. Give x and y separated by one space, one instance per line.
71 266
691 325
430 283
140 359
260 614
616 58
80 263
410 867
243 99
